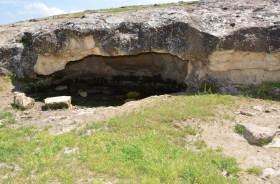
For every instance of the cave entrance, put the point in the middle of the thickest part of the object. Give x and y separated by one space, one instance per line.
111 81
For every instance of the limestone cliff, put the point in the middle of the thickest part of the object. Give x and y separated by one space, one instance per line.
222 43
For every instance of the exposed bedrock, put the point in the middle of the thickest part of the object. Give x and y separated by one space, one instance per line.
197 44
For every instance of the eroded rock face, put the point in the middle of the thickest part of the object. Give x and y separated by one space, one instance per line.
222 43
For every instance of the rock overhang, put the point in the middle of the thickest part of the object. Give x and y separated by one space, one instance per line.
202 36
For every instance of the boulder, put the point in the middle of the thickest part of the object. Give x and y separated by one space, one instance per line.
58 102
22 101
255 134
61 88
233 90
83 94
275 92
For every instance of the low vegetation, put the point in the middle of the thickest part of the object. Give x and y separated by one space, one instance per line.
141 147
263 87
255 170
239 129
8 77
6 118
118 10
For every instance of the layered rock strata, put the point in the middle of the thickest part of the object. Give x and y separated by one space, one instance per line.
221 43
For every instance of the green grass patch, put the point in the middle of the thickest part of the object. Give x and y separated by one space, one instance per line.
1 88
239 129
133 148
6 115
255 170
8 77
117 10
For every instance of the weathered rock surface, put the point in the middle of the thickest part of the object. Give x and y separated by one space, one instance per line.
22 101
61 88
257 135
83 94
275 92
222 43
58 102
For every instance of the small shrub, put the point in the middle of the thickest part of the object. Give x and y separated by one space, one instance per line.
26 43
255 170
239 129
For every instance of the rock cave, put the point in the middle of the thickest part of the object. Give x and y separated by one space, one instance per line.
106 80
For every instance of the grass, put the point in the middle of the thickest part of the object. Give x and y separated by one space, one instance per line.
1 88
133 148
255 170
110 10
6 118
200 144
6 115
116 10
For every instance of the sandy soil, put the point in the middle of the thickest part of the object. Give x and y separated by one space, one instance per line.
218 133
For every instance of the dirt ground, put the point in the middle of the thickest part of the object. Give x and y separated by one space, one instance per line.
217 134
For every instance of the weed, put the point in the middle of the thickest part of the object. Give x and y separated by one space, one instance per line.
242 88
219 149
63 117
263 143
9 76
11 121
239 129
189 130
95 125
1 88
200 144
46 128
25 42
255 170
6 115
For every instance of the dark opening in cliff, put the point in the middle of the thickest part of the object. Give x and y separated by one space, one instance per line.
105 81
